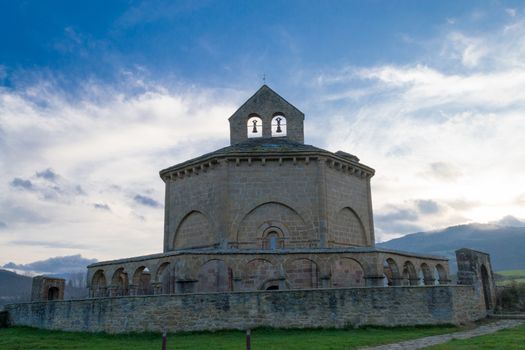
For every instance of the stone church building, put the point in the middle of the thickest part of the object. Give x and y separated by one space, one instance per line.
267 232
267 212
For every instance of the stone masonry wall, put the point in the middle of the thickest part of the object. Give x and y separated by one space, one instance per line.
394 306
273 194
349 209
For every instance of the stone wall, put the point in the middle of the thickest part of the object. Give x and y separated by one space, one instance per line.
338 308
348 208
475 268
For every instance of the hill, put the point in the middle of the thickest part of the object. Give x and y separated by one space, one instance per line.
14 287
506 245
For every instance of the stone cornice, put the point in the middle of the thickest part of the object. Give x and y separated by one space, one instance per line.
203 165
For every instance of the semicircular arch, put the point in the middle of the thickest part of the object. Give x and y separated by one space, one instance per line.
193 230
247 228
348 228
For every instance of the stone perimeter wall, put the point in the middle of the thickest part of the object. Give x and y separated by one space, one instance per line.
394 306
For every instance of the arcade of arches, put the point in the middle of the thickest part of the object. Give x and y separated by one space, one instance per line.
205 272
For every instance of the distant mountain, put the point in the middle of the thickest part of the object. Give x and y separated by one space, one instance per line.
13 287
58 265
506 245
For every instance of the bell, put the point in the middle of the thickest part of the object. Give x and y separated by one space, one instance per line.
278 120
254 130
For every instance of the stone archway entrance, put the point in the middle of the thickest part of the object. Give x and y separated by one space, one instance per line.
53 293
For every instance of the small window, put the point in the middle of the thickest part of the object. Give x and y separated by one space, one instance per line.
278 125
254 127
272 241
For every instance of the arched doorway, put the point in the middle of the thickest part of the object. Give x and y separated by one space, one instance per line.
53 293
486 287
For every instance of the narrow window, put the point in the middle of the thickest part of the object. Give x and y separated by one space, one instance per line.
254 127
272 241
278 125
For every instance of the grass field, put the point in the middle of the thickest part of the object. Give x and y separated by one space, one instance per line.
510 276
507 339
18 338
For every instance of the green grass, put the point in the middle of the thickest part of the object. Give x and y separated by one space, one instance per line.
512 273
510 281
510 276
18 338
507 339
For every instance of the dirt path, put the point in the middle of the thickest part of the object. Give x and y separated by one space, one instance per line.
440 339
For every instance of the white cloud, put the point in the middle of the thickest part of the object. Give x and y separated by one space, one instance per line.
445 136
63 160
511 12
451 131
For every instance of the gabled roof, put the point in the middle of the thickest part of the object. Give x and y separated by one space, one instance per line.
262 90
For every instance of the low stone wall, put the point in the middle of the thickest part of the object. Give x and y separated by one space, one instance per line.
392 306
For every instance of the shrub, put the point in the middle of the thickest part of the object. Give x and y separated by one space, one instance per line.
511 297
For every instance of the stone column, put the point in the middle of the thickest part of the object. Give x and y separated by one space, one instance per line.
429 281
282 283
323 214
133 289
325 281
237 283
157 288
112 291
397 281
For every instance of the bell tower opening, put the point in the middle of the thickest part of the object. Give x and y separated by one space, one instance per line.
278 125
255 127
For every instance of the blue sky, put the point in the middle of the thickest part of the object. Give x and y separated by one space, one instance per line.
96 97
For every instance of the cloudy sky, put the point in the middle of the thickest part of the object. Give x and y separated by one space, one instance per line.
96 98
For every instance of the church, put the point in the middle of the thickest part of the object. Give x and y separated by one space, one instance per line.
267 212
267 232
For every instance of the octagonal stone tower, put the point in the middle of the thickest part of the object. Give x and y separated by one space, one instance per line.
268 190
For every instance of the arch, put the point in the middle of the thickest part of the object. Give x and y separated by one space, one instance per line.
274 284
142 281
120 283
165 276
254 126
348 229
347 272
442 274
193 231
485 284
278 125
99 284
428 277
53 293
268 214
214 276
273 236
391 272
256 272
409 274
302 273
